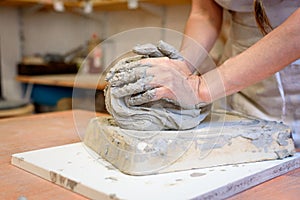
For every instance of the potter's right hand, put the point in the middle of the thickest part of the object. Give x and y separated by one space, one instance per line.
147 80
163 49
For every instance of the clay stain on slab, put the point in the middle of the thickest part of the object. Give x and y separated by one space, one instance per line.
197 174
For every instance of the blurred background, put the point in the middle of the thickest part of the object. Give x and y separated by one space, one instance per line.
44 42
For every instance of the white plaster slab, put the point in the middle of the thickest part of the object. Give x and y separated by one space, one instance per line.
81 170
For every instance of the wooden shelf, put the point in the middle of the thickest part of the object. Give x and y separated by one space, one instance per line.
97 4
88 81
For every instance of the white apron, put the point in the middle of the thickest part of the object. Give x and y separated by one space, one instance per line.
278 97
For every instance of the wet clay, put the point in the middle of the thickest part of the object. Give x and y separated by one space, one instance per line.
128 110
161 136
221 139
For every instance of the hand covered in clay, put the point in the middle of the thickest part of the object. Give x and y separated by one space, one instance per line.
154 90
152 79
163 49
195 58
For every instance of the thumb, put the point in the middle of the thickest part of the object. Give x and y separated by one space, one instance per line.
147 49
169 51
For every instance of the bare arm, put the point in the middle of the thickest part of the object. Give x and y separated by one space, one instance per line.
203 26
269 55
168 79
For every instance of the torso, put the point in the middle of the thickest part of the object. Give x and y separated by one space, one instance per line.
263 100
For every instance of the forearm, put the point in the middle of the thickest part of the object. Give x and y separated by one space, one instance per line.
269 55
204 23
201 30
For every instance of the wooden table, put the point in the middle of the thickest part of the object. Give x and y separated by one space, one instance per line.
86 81
53 129
48 90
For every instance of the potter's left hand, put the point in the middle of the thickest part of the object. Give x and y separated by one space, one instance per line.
163 49
152 79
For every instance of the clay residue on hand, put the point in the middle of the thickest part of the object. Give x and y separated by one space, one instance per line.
163 114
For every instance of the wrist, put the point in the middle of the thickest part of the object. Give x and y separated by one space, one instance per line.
203 91
189 66
211 86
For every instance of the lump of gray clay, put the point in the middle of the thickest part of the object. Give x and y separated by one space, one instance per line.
159 115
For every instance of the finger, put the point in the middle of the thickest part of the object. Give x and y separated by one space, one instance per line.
169 51
143 98
130 76
139 86
147 49
154 62
159 94
123 65
150 96
128 63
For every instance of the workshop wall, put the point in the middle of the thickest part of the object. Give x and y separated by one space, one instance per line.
61 32
52 32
